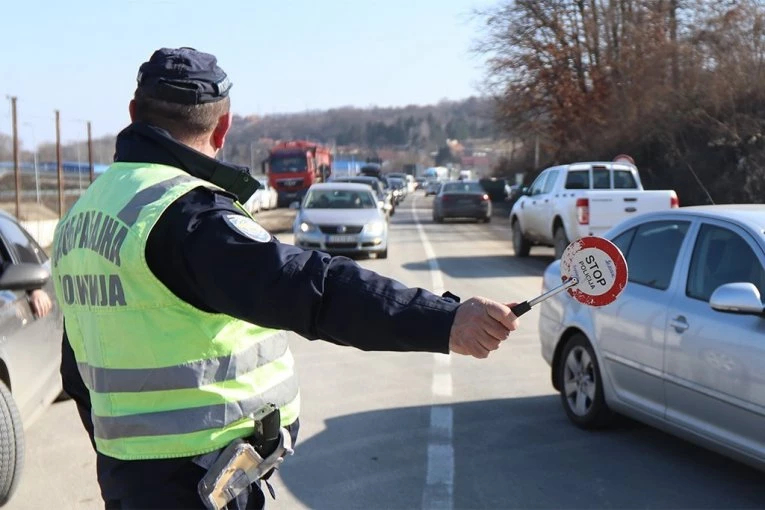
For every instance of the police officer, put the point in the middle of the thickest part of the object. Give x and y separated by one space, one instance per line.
176 301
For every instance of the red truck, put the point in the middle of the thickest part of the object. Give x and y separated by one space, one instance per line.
293 166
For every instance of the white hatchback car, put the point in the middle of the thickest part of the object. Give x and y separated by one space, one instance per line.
683 348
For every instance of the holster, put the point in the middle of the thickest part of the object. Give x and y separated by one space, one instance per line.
237 467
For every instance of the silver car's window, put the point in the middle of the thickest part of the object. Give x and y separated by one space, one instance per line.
721 256
25 247
339 199
624 240
652 254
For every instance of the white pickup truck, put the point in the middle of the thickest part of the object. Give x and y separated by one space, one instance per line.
567 202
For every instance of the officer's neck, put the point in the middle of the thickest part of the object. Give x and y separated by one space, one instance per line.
201 144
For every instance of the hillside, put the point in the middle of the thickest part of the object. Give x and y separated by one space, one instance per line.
412 130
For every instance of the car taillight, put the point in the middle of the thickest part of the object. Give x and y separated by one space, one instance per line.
583 211
674 202
444 198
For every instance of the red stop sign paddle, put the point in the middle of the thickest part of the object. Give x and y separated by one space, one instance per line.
594 272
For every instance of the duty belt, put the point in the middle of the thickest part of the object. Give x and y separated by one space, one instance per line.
235 468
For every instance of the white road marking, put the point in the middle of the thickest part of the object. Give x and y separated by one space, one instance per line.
439 488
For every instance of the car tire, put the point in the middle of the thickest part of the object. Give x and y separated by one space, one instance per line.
581 385
382 254
521 245
11 445
487 219
438 219
560 241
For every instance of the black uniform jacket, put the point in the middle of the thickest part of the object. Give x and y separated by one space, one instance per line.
213 266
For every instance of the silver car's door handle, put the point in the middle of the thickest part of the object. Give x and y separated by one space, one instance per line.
679 323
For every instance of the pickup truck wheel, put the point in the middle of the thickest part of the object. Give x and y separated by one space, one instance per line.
560 240
521 245
581 385
11 445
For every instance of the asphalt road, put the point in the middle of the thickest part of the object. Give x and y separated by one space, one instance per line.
401 431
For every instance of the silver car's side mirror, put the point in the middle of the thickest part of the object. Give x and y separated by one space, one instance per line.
741 297
24 276
295 205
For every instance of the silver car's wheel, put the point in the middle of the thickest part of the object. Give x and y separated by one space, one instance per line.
581 386
579 381
11 445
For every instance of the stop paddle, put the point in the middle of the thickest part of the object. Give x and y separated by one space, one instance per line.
594 273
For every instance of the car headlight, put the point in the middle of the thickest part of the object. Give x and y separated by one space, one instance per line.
306 227
375 228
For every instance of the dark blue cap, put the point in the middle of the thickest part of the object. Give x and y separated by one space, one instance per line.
184 76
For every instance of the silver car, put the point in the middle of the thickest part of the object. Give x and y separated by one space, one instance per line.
30 348
683 348
342 218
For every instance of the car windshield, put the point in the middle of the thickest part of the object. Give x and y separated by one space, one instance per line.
339 199
463 187
371 182
288 164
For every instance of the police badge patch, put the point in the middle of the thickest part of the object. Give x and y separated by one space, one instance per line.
248 227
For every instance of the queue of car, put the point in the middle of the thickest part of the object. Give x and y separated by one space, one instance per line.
682 349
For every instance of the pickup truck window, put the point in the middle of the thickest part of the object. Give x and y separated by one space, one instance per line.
538 185
578 179
623 179
601 178
552 177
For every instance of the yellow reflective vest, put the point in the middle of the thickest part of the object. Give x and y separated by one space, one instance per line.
165 379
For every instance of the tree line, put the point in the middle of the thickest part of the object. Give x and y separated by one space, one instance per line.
677 84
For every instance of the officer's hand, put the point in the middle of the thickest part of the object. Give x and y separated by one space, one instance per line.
479 326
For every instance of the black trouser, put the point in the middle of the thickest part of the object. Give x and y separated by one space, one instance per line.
180 492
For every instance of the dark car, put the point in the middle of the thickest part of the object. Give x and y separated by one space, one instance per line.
497 188
30 351
461 199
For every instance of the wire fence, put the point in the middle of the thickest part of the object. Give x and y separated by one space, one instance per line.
45 164
31 186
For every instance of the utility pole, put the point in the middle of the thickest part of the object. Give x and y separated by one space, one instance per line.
90 153
59 166
16 169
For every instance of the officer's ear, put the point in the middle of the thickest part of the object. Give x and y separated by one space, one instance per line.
131 109
221 130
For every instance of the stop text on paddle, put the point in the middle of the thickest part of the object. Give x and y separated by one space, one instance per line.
593 270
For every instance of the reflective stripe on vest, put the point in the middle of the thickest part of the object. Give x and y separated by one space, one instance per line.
165 379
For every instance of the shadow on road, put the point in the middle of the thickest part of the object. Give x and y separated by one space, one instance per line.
515 453
486 266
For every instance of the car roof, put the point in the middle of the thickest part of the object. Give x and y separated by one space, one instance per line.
463 181
751 216
356 177
586 165
350 186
